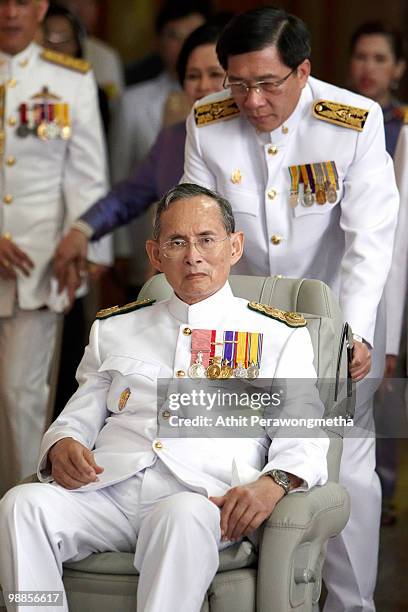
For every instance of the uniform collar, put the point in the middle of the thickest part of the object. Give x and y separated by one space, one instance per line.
15 64
284 131
205 312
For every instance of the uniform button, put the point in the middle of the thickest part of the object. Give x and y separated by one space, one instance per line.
285 130
272 150
272 193
12 121
8 199
23 63
166 414
187 331
10 161
180 373
11 83
158 445
275 239
7 236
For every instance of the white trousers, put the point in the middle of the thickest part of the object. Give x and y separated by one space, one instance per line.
175 532
27 342
350 568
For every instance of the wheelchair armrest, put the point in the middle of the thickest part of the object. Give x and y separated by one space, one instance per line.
293 544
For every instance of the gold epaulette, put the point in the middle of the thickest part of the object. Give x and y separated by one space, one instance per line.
215 111
340 114
292 319
404 112
117 310
67 61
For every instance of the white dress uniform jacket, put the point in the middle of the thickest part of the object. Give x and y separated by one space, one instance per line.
396 287
124 353
46 184
347 244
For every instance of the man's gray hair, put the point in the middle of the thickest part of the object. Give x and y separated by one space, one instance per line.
184 191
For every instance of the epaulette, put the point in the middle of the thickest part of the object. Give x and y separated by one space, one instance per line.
117 310
340 114
67 61
291 319
215 111
404 114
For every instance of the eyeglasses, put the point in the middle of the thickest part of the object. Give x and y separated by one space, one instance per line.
177 247
241 89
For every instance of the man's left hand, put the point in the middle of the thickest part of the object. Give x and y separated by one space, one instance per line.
245 508
361 362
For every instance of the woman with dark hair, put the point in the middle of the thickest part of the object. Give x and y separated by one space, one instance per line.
376 66
200 74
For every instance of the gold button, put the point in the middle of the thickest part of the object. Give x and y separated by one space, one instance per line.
158 445
8 199
272 150
10 161
12 121
166 414
187 331
7 236
180 373
275 239
285 130
11 83
319 108
23 63
272 193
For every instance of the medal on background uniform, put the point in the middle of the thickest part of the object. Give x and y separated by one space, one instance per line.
332 182
294 172
123 399
321 197
46 117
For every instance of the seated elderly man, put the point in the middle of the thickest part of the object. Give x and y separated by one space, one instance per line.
108 482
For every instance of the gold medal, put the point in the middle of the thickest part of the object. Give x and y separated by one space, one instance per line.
66 132
320 195
213 371
226 371
42 131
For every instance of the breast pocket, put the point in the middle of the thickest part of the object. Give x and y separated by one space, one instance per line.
243 201
134 383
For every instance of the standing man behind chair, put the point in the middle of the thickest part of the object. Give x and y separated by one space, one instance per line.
52 169
305 168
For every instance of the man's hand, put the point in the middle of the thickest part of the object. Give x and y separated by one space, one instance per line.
361 362
245 508
70 260
12 257
73 465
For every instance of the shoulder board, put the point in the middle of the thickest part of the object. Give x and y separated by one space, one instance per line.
340 114
404 114
291 319
117 310
215 111
67 61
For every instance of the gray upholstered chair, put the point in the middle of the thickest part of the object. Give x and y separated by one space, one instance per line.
285 575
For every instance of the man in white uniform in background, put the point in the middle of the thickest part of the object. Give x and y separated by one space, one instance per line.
173 494
304 166
52 169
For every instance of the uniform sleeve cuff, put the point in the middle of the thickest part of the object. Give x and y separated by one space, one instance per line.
83 227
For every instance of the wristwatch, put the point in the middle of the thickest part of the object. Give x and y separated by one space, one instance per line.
281 478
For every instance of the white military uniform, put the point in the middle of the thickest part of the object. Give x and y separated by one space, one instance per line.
143 471
45 186
396 287
347 244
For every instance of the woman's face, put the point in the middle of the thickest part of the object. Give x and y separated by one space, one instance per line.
373 66
59 36
204 74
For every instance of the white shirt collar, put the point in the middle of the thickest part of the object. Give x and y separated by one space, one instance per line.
205 312
20 61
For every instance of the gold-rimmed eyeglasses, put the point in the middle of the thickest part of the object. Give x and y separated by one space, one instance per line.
240 89
204 245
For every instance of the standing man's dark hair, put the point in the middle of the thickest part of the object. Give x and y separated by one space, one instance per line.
263 27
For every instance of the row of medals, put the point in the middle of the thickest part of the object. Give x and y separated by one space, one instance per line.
306 197
46 130
219 368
